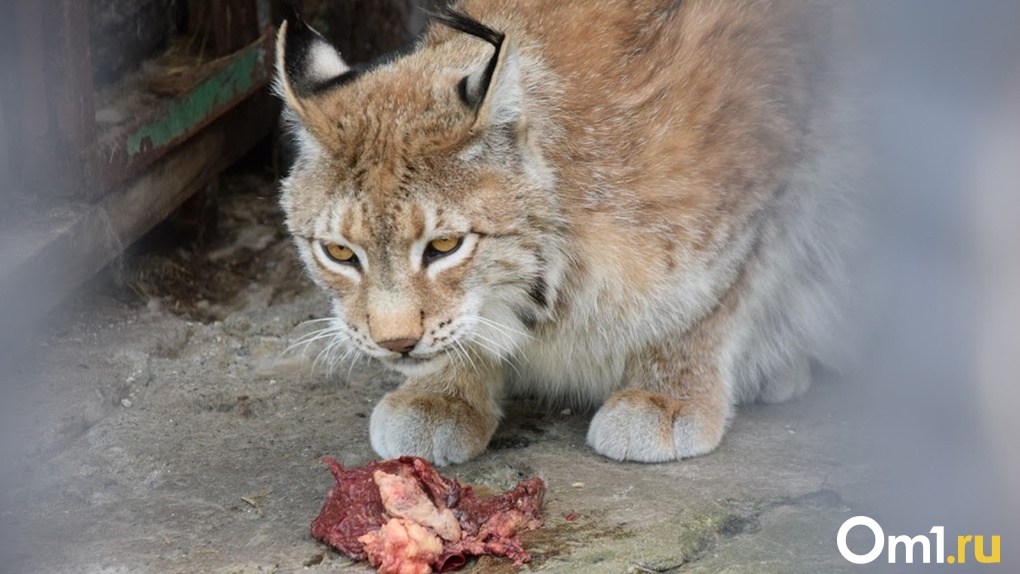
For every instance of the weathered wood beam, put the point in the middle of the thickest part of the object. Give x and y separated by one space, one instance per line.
124 150
59 116
43 257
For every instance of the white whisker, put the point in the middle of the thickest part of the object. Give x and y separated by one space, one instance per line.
313 321
345 352
325 352
508 350
357 359
496 353
455 357
504 329
466 354
308 339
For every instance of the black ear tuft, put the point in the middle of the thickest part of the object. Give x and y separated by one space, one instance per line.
289 11
474 89
307 63
461 22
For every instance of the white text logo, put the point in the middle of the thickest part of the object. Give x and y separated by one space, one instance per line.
910 545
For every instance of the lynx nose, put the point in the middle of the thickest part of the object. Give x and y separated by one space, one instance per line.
399 345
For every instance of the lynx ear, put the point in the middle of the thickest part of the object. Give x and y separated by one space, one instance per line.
306 65
493 92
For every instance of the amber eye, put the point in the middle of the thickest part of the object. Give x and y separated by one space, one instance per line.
442 247
340 253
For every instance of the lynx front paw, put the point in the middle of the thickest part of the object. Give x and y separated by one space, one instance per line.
649 427
443 430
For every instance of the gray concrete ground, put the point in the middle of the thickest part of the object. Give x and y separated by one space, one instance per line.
170 430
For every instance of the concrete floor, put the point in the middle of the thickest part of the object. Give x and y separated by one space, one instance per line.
169 430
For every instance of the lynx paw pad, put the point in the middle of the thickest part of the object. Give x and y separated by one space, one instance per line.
649 427
444 430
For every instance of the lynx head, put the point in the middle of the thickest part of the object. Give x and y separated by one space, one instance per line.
420 200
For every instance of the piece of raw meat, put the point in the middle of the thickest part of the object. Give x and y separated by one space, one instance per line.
402 497
402 547
405 518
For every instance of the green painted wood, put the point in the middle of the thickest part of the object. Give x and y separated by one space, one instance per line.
225 87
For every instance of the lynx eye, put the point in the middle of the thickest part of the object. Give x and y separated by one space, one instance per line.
442 247
340 254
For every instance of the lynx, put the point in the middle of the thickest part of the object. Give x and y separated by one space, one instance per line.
636 205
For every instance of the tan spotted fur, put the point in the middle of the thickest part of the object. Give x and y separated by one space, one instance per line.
655 205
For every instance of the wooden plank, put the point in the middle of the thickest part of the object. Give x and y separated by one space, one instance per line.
74 110
235 24
6 175
155 128
44 256
362 29
34 97
264 13
126 33
9 129
59 125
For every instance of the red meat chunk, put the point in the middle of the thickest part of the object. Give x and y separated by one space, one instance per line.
405 518
402 547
